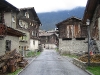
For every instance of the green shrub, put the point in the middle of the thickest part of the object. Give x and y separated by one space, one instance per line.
30 54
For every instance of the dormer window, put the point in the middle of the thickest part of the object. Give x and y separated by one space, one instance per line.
27 14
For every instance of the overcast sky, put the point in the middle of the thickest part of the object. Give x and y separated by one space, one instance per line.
48 5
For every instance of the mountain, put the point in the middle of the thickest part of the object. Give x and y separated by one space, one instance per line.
50 19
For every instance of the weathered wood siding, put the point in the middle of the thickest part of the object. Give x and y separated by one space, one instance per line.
72 35
94 24
72 30
52 39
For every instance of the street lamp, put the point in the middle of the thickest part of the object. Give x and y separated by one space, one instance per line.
88 29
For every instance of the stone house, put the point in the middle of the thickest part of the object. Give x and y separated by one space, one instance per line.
92 13
48 40
9 35
29 23
72 36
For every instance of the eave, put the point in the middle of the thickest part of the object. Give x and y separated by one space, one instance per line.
90 9
6 6
13 32
67 20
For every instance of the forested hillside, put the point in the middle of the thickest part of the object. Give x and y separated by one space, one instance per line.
49 19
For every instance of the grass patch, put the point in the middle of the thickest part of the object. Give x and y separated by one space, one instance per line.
38 53
15 73
57 49
30 54
94 70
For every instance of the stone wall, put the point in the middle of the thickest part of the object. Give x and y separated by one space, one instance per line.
49 46
98 44
73 46
14 44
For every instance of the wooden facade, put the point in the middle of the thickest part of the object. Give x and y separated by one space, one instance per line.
71 28
48 38
28 20
92 12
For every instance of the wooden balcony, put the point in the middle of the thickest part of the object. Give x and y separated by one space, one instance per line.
4 30
25 41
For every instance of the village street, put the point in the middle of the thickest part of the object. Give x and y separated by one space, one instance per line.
51 63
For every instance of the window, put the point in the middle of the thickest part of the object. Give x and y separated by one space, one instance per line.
80 38
66 38
13 18
8 45
32 33
26 14
36 34
23 38
32 24
23 24
46 40
19 47
26 26
20 23
33 42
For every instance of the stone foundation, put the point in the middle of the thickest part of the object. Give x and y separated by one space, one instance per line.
73 46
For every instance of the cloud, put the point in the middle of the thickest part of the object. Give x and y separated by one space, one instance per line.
48 5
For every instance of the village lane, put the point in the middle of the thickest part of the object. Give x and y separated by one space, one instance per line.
51 63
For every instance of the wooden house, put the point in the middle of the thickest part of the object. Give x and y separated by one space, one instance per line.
9 35
92 13
28 22
72 35
48 40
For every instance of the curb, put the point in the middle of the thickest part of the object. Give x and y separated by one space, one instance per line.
81 68
27 65
88 72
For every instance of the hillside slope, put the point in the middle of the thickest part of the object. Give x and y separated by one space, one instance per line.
49 19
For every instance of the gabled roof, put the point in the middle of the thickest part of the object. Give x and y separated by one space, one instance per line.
90 9
4 5
34 12
46 34
73 17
